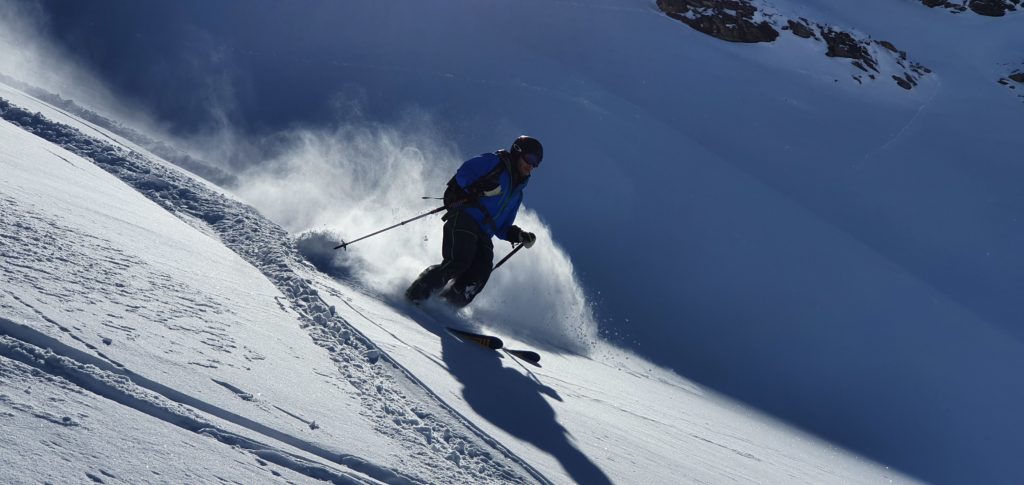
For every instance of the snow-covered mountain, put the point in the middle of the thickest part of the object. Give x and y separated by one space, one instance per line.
810 207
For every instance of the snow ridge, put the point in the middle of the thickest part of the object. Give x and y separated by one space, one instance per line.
423 421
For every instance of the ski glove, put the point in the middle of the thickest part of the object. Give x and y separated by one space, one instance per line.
517 235
528 239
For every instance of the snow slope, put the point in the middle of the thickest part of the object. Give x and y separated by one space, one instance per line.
155 330
91 262
841 255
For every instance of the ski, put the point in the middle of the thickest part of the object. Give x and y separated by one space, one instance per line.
495 343
487 341
528 356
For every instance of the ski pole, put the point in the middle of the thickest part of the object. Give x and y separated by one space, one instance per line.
421 216
435 211
509 255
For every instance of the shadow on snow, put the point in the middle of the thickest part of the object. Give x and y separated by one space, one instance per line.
511 398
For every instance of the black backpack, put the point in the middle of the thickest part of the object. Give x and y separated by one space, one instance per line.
455 195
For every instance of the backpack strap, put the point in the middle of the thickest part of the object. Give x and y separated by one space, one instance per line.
504 164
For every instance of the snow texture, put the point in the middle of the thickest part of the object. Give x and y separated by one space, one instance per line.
836 253
129 332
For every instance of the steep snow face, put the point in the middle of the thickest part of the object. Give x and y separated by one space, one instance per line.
138 347
155 313
841 254
753 216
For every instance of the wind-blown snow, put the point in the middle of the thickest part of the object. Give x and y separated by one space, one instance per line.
356 180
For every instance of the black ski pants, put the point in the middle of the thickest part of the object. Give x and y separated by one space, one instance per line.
468 255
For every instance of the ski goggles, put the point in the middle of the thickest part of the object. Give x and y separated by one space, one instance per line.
532 159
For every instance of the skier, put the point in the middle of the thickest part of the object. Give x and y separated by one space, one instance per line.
482 200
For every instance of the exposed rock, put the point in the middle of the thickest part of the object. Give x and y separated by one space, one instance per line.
842 44
944 4
903 82
888 45
1018 76
731 20
801 29
734 21
991 8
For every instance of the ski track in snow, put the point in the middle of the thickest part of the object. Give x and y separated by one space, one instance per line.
37 249
77 369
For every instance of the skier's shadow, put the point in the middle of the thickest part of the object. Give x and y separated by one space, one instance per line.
512 400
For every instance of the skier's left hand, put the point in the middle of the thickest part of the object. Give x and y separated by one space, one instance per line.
528 238
517 235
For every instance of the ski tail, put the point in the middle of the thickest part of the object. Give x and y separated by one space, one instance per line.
487 341
495 343
528 356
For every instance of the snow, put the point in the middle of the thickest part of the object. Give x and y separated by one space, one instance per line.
88 259
56 432
136 347
841 257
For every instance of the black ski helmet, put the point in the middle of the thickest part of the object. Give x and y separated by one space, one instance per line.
529 148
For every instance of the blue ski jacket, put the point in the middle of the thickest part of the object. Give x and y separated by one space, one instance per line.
494 213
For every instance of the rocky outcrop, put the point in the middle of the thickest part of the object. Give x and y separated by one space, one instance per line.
991 8
953 7
800 28
864 54
1013 81
842 44
731 20
743 21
